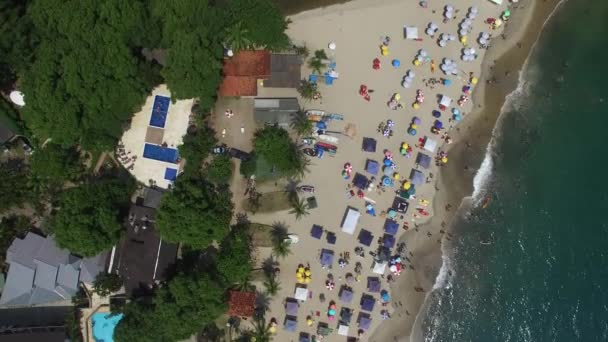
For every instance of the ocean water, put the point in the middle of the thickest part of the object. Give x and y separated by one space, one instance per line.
533 265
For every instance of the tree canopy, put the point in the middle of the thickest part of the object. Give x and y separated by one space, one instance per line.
196 147
234 259
55 164
274 144
11 227
194 213
89 217
220 170
17 41
15 188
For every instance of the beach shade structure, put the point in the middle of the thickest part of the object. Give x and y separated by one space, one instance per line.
372 166
346 295
384 296
447 82
388 241
312 78
304 337
423 160
383 254
343 329
379 267
396 63
408 193
331 238
364 321
360 181
410 32
316 231
321 125
400 205
300 293
367 302
351 218
391 227
388 171
290 324
327 257
291 307
438 124
445 102
373 284
417 177
346 315
429 144
365 237
369 145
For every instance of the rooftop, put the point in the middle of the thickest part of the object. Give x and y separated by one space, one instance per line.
241 304
241 73
275 111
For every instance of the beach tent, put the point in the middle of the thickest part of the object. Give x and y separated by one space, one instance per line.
379 267
445 101
369 145
343 330
349 224
291 307
327 257
384 254
331 238
417 177
373 284
365 237
301 293
360 181
291 324
384 296
372 166
346 315
423 160
364 321
388 241
304 337
316 231
391 227
346 295
430 144
367 302
323 329
410 32
400 204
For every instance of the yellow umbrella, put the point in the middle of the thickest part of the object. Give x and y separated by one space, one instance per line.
407 185
463 39
397 176
307 272
300 269
474 80
307 280
414 126
416 105
272 329
384 51
416 62
444 160
309 322
405 146
397 96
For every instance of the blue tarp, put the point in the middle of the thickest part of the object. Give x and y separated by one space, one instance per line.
316 231
364 321
417 177
365 237
423 160
291 324
304 337
346 295
388 241
291 307
164 154
369 145
367 302
372 167
327 257
331 238
360 181
170 174
159 111
321 125
346 315
373 284
391 227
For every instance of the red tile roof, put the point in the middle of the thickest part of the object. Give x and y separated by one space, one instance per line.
241 303
242 71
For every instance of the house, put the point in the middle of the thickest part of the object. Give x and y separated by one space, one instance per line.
41 273
38 323
142 258
241 303
285 71
267 111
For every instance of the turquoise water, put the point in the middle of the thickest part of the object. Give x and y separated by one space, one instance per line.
104 325
533 266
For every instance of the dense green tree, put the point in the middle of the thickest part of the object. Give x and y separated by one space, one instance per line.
17 41
55 164
264 24
307 90
194 213
89 216
11 227
236 37
300 123
138 318
234 259
196 147
220 170
274 145
299 208
15 188
248 167
106 283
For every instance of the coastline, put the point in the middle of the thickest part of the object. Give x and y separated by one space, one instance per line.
504 60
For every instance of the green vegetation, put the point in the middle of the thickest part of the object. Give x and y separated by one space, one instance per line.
272 285
268 202
300 123
307 90
196 147
299 207
15 188
317 62
234 259
90 216
264 24
54 164
281 246
106 283
11 227
220 170
17 41
194 213
273 144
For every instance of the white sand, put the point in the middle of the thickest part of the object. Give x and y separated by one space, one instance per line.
357 29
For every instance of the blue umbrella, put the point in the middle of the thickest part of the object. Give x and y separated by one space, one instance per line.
436 113
447 82
438 124
385 296
387 162
396 63
412 131
457 117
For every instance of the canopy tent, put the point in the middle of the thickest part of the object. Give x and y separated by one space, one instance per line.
323 329
364 321
417 177
372 167
327 257
391 227
346 315
346 295
408 193
373 284
369 145
367 302
343 330
304 337
410 32
400 204
423 160
291 307
349 224
388 241
384 254
445 101
379 267
360 181
365 237
316 231
331 238
430 144
291 324
301 293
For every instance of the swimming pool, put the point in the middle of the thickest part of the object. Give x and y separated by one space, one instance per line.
104 324
159 111
165 154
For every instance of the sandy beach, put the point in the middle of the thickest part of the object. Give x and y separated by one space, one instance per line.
358 40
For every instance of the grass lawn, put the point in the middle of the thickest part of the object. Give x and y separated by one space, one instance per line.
270 202
264 170
261 235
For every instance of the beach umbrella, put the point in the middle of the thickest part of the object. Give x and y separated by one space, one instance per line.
444 160
474 80
414 126
415 105
396 63
406 83
416 62
412 131
438 124
457 117
422 53
407 185
332 46
430 31
396 175
468 22
464 39
436 113
433 26
471 15
449 8
473 9
411 74
416 120
442 43
483 41
447 82
397 96
462 32
485 35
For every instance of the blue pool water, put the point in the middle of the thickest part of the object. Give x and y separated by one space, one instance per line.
159 111
104 325
170 174
165 154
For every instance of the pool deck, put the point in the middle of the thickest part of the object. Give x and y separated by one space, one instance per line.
144 169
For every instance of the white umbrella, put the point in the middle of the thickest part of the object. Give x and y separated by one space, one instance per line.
406 84
472 15
452 37
483 41
17 98
430 31
449 15
462 32
444 36
443 67
469 22
433 26
449 8
423 53
485 35
442 43
410 73
473 10
332 46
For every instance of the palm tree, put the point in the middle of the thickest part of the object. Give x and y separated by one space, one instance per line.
300 208
300 123
236 37
281 246
307 90
272 285
261 331
316 62
282 249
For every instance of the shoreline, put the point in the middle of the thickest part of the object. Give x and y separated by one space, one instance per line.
504 61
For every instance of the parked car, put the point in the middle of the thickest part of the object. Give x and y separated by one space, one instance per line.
219 149
310 152
238 154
